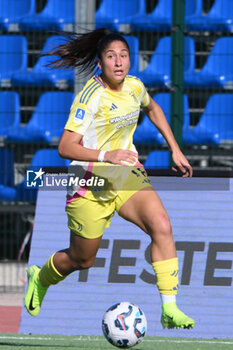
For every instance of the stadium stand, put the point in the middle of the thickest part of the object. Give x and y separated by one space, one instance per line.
133 43
21 192
217 72
56 15
147 133
11 12
7 167
193 9
157 160
158 71
158 20
13 57
43 76
216 123
48 120
219 18
9 112
113 14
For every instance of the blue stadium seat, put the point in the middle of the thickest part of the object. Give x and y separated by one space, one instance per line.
219 18
160 19
158 71
13 57
157 160
11 12
133 43
9 112
48 120
56 15
216 123
22 193
7 167
48 157
40 75
147 133
112 14
217 73
193 9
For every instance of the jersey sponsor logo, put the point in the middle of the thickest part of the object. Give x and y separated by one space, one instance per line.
113 106
80 113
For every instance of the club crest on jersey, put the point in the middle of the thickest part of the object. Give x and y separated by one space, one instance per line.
134 97
80 113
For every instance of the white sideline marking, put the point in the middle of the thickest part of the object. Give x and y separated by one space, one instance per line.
93 338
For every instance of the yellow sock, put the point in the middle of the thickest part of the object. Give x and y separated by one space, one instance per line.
49 274
167 276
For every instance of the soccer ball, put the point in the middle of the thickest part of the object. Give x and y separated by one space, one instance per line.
124 325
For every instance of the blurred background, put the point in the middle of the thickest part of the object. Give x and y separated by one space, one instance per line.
181 49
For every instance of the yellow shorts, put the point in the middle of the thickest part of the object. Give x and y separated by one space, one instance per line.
89 218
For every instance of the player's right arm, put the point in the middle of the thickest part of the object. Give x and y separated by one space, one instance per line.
70 148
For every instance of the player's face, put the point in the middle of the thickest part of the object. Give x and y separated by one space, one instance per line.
115 63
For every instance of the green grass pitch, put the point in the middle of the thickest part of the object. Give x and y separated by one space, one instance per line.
52 342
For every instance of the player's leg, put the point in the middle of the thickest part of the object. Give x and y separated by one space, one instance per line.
80 255
87 221
145 209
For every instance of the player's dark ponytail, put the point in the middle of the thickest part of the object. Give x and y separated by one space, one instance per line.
82 50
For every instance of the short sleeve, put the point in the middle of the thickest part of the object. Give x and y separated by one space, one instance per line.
145 97
139 90
81 115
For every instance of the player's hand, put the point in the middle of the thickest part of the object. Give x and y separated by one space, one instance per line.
121 157
182 164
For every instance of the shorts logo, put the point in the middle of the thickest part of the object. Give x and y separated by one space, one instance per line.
80 113
80 227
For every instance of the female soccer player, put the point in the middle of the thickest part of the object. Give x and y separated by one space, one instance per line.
99 131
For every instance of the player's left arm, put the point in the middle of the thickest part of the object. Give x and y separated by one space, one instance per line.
156 115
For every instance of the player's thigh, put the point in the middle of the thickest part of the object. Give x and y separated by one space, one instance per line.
87 218
87 221
145 209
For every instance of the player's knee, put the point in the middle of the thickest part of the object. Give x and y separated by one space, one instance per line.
160 227
82 263
86 263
